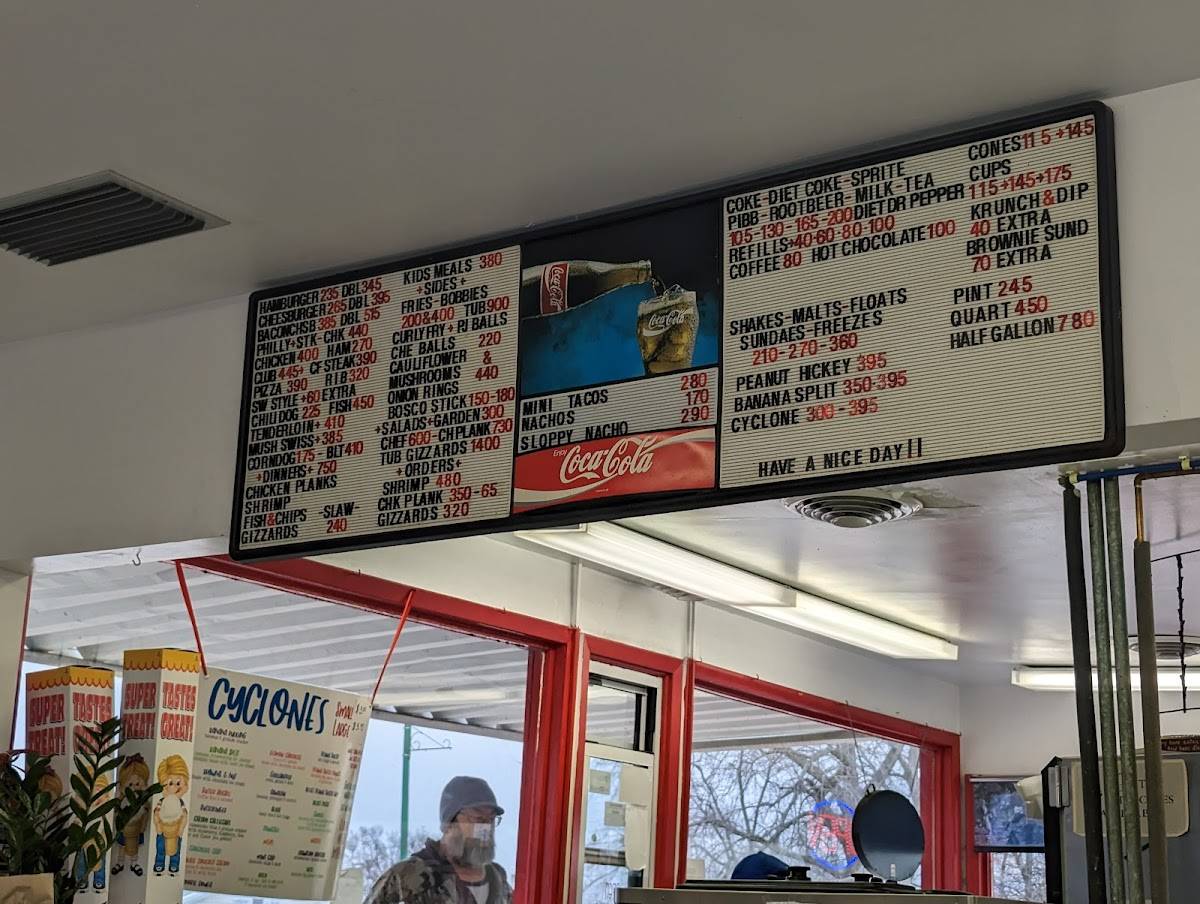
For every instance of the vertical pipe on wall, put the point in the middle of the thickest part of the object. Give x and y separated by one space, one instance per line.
1151 725
405 767
1082 655
1108 722
1130 808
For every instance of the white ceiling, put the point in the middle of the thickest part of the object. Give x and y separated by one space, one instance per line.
334 133
984 565
454 679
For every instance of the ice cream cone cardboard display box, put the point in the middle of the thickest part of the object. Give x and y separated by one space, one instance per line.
59 705
158 718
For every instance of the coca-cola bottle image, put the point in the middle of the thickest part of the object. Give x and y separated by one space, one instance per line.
553 288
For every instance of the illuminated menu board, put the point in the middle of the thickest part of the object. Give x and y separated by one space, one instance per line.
944 307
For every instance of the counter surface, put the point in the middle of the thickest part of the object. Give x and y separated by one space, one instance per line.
787 896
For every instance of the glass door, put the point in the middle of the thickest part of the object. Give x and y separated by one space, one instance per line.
620 783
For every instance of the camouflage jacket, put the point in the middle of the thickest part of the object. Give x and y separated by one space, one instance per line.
428 878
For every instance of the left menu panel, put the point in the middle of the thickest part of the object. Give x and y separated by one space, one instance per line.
382 404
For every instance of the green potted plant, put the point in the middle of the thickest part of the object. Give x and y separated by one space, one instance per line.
48 830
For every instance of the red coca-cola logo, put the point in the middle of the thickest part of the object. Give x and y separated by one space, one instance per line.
630 455
658 462
554 288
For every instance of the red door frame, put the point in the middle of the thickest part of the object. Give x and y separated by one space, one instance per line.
941 785
552 698
674 739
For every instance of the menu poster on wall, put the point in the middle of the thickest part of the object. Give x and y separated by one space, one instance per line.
915 310
945 307
276 765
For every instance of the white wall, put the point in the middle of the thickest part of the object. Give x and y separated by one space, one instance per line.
13 595
120 436
474 568
766 650
1009 730
1157 133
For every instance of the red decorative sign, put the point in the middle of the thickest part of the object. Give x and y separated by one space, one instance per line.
646 462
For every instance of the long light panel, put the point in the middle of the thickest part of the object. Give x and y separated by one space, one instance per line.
1061 678
658 562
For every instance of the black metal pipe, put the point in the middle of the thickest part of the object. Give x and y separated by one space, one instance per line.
1151 725
1109 752
1131 809
1089 756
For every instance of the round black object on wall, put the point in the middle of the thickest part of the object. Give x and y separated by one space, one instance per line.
888 835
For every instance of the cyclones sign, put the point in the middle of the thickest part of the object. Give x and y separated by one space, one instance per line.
665 461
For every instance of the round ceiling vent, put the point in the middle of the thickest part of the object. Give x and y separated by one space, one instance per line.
1167 647
855 509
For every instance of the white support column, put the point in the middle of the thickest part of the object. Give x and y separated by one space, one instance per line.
14 597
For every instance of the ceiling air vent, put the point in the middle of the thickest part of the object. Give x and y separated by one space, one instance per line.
855 509
92 216
1169 646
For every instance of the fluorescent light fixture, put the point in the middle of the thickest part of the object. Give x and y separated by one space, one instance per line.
1062 678
658 562
662 563
425 700
859 629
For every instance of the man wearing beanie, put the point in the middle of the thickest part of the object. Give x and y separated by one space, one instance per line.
458 868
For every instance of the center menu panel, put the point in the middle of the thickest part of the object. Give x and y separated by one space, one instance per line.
944 307
618 376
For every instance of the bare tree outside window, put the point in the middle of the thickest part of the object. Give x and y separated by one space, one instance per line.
792 799
375 849
1019 876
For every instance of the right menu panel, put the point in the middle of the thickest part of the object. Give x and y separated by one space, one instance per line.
934 307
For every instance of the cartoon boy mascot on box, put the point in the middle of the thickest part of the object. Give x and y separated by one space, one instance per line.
170 813
91 850
133 774
51 784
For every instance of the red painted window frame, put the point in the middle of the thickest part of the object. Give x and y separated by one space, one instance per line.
979 865
556 673
941 779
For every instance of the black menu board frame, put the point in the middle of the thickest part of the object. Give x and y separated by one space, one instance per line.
710 199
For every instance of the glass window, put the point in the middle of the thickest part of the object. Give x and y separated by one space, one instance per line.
620 714
461 696
616 843
769 781
1019 876
376 842
1000 820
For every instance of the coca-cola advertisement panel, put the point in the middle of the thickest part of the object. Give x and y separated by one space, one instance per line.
618 359
622 302
669 461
